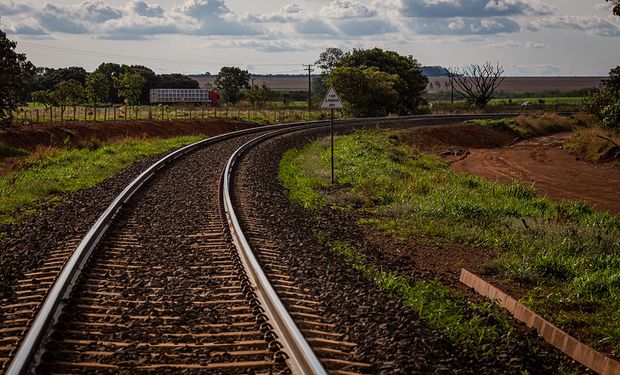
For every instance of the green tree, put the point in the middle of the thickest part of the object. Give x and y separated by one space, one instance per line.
68 93
616 4
258 95
231 81
175 81
113 72
13 68
411 83
44 97
150 79
97 87
366 92
614 79
130 86
327 61
50 77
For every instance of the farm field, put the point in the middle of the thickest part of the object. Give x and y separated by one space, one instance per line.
510 84
530 217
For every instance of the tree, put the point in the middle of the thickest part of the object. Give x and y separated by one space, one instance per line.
13 67
411 83
354 85
97 87
477 83
130 86
51 77
614 79
231 81
258 95
616 4
113 72
149 77
175 81
44 97
329 59
68 93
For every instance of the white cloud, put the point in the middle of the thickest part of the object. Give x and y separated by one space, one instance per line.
262 45
11 8
590 24
346 9
146 10
463 26
513 44
213 17
472 8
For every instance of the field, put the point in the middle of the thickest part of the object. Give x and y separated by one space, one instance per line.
558 256
510 84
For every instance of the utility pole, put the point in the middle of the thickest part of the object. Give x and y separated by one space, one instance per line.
310 70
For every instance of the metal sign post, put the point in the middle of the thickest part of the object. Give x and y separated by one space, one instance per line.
332 101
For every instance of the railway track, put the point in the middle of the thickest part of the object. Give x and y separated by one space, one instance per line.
167 280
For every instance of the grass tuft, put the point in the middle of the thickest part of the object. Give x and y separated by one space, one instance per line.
8 151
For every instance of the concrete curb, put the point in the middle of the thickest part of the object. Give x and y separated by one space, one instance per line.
575 349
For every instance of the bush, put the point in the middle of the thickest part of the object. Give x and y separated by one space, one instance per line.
611 116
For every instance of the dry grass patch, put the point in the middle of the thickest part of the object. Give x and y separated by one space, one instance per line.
595 144
536 125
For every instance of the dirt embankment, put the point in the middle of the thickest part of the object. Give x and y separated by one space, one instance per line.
541 162
32 137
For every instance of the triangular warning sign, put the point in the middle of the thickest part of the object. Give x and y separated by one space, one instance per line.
331 101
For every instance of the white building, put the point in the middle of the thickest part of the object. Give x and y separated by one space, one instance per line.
179 96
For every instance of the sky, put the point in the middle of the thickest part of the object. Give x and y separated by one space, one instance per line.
528 37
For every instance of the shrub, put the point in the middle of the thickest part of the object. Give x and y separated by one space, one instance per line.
611 115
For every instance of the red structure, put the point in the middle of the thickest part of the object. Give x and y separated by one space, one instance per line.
214 98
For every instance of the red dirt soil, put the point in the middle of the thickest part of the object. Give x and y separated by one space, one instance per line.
550 169
31 137
541 162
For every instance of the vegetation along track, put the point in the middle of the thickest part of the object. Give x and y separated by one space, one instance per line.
163 287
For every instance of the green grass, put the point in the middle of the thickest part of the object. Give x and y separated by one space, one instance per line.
528 126
564 248
476 326
66 170
8 151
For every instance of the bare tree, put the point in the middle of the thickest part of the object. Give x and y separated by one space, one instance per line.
477 83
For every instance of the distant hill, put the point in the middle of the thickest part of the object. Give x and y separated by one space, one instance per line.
434 71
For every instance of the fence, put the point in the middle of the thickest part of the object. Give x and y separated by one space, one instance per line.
56 115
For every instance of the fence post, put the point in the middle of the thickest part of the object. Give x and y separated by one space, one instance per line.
114 113
105 113
51 116
136 109
162 113
37 115
202 112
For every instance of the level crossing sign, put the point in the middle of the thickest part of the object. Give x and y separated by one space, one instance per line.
331 101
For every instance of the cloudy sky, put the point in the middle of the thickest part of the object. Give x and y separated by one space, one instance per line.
529 37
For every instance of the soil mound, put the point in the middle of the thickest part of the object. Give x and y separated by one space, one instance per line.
74 134
456 135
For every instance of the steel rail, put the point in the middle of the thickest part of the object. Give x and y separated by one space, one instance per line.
301 358
31 348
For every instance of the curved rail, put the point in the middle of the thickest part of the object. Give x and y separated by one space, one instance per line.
301 358
30 349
